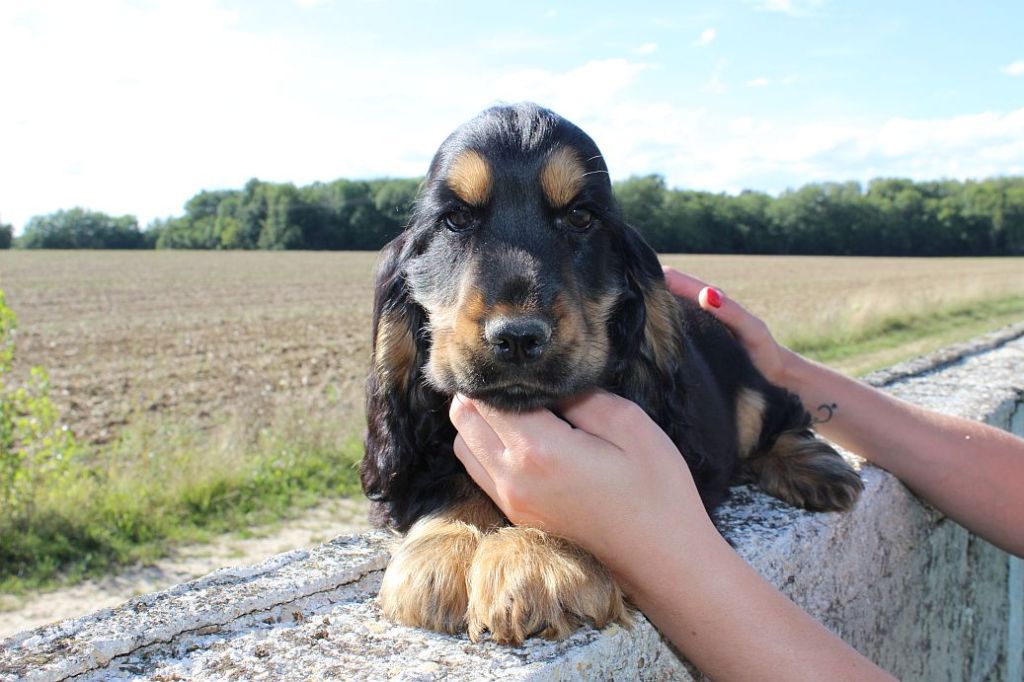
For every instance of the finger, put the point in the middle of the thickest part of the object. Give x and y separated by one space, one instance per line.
523 428
594 412
616 420
687 286
476 433
741 322
476 470
681 284
711 299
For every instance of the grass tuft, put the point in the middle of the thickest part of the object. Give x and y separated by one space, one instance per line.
163 483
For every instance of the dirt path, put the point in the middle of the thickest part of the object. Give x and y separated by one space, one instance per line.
310 528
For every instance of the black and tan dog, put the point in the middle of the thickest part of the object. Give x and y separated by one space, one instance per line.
518 283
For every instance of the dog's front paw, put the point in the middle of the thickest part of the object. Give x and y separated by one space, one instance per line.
524 582
425 583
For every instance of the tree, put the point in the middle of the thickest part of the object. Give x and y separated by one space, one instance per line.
642 202
6 236
251 215
394 199
282 229
79 228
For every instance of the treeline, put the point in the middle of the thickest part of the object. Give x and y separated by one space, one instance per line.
341 215
891 217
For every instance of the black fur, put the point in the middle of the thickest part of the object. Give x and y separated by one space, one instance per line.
520 252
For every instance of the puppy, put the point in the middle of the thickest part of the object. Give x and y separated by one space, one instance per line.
518 283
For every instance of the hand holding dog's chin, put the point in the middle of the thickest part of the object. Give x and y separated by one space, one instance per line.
609 479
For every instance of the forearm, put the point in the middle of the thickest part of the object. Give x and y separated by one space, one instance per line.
970 471
731 623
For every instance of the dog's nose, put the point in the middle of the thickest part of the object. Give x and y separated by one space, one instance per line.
518 340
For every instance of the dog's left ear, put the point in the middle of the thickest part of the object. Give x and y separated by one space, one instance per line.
646 319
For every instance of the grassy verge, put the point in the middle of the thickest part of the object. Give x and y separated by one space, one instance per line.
889 339
163 484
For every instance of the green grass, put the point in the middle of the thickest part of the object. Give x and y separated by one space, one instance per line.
892 338
163 484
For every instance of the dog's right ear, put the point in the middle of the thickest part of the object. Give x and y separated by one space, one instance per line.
396 363
408 450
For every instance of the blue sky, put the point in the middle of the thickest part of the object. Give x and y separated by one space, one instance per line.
133 107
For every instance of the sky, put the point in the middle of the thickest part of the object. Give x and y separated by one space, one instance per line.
132 107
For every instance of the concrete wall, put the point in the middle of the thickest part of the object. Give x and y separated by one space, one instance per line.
907 587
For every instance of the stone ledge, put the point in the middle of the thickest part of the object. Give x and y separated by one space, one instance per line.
911 590
944 357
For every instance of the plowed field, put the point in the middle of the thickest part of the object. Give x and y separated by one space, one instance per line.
203 334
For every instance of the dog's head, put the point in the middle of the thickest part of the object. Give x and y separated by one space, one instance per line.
529 279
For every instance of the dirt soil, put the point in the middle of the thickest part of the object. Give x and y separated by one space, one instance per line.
310 528
191 334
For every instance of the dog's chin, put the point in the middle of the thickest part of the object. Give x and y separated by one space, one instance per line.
514 391
517 397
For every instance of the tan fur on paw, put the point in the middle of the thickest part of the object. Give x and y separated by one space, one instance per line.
524 582
808 473
425 583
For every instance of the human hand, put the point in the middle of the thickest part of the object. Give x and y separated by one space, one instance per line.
607 477
750 330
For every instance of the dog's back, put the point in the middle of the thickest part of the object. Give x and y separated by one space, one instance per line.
771 433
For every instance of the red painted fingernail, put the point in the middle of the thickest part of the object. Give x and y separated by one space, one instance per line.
714 297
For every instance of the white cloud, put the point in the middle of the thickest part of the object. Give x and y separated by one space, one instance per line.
990 133
771 155
1014 68
572 93
111 90
759 82
706 37
794 8
125 108
715 84
647 48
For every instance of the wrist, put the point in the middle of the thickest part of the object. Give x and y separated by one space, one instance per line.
792 370
664 562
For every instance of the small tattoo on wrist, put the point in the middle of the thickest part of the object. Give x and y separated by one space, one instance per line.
826 410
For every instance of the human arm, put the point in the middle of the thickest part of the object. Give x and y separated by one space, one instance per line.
609 479
970 471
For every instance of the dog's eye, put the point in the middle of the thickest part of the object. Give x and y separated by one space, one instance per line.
579 218
458 220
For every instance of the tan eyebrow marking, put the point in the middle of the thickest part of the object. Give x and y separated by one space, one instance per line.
562 177
470 178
